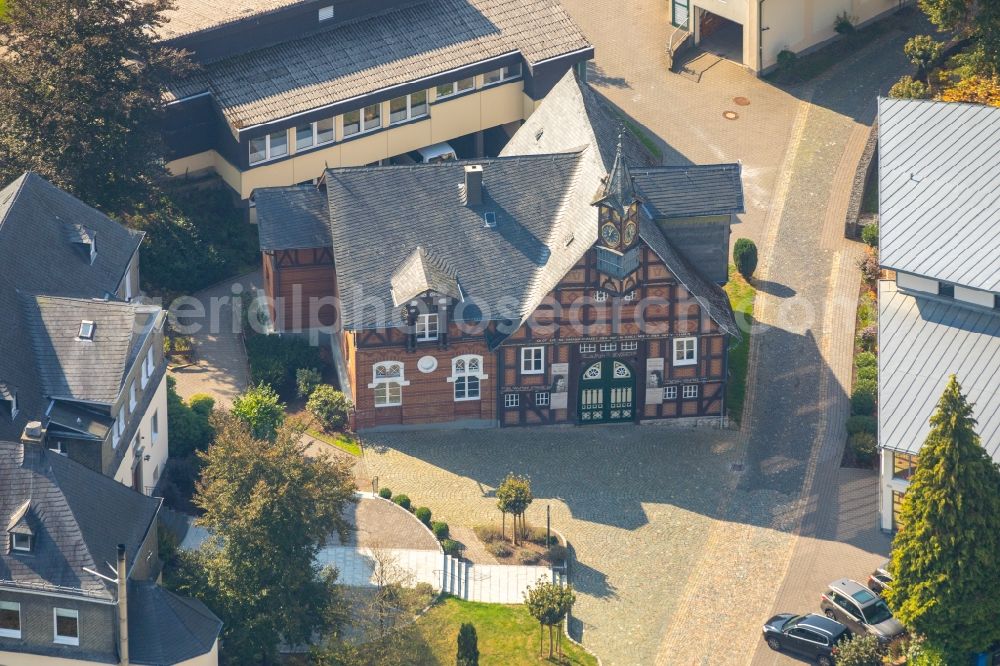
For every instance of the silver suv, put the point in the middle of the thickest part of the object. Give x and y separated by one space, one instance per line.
851 603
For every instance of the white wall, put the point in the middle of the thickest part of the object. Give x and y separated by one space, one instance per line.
734 10
887 485
974 296
156 450
916 283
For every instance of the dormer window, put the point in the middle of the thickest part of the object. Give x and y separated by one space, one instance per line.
20 542
427 327
8 401
93 246
86 330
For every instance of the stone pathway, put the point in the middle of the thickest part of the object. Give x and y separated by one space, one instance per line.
221 371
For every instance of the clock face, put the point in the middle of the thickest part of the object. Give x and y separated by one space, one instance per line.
629 233
609 233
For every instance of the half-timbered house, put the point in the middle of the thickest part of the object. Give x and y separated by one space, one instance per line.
566 281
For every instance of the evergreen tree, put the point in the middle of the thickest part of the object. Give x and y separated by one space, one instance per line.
468 646
946 554
81 92
745 257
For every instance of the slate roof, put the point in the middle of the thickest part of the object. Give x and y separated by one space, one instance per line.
37 258
922 341
82 517
422 273
166 629
303 213
374 53
691 191
939 174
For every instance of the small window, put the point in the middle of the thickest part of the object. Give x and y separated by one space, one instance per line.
467 375
119 428
588 348
511 400
154 424
502 74
372 116
946 290
304 136
66 626
669 392
151 361
269 147
133 396
10 619
904 465
93 246
690 391
87 330
352 122
324 131
542 399
21 542
58 447
388 382
630 296
609 346
325 13
630 345
490 217
9 404
685 351
427 327
408 107
532 360
455 87
600 296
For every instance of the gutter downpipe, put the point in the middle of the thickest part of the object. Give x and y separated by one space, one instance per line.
760 36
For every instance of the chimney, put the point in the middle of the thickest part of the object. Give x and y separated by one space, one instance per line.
33 433
122 607
474 185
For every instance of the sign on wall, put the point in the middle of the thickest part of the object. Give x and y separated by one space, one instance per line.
559 393
654 381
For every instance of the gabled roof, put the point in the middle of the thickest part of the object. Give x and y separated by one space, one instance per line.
87 370
421 273
37 257
691 191
304 215
82 517
368 55
165 628
939 174
922 341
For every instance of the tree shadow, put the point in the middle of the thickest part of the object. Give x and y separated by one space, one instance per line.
773 288
597 76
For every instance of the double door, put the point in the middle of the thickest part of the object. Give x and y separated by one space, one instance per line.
607 392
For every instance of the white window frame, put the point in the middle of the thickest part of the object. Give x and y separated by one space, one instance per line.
630 296
455 89
93 246
670 392
683 347
16 607
608 347
690 391
363 127
87 330
630 345
600 296
532 360
133 396
428 327
13 542
588 347
511 400
504 74
313 134
67 613
116 434
409 108
390 392
543 399
268 152
460 376
154 424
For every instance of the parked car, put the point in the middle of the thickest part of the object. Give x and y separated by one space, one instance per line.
812 636
439 152
880 580
862 610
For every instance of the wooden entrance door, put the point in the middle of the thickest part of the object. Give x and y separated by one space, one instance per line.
607 392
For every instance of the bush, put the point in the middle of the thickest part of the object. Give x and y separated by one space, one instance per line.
922 50
868 337
329 406
403 501
863 398
202 404
787 60
858 423
869 234
866 360
261 410
307 379
188 426
488 533
864 447
385 493
870 268
528 557
537 535
844 24
452 548
423 514
557 553
499 549
468 646
861 650
440 530
867 374
276 359
745 257
909 88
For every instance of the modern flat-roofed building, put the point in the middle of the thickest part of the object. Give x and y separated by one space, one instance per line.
288 88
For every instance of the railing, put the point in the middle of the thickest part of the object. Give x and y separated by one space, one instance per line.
671 49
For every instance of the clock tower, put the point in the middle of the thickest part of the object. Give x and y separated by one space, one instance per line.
618 226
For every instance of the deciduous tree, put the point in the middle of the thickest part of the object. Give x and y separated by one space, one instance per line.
514 497
549 603
947 551
261 410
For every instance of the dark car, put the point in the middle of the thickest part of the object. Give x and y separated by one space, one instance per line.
880 580
812 636
862 610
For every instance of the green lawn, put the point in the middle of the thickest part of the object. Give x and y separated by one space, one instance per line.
741 297
508 636
345 443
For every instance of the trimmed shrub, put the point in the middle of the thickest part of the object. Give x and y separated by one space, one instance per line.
787 60
557 553
440 530
276 359
866 360
745 257
423 514
329 407
863 398
864 447
868 337
385 493
909 88
452 548
307 379
862 650
528 557
488 533
499 549
869 234
868 374
403 501
858 423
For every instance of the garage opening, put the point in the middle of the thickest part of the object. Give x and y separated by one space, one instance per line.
720 36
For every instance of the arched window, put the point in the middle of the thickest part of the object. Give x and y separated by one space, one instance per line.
388 381
467 375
